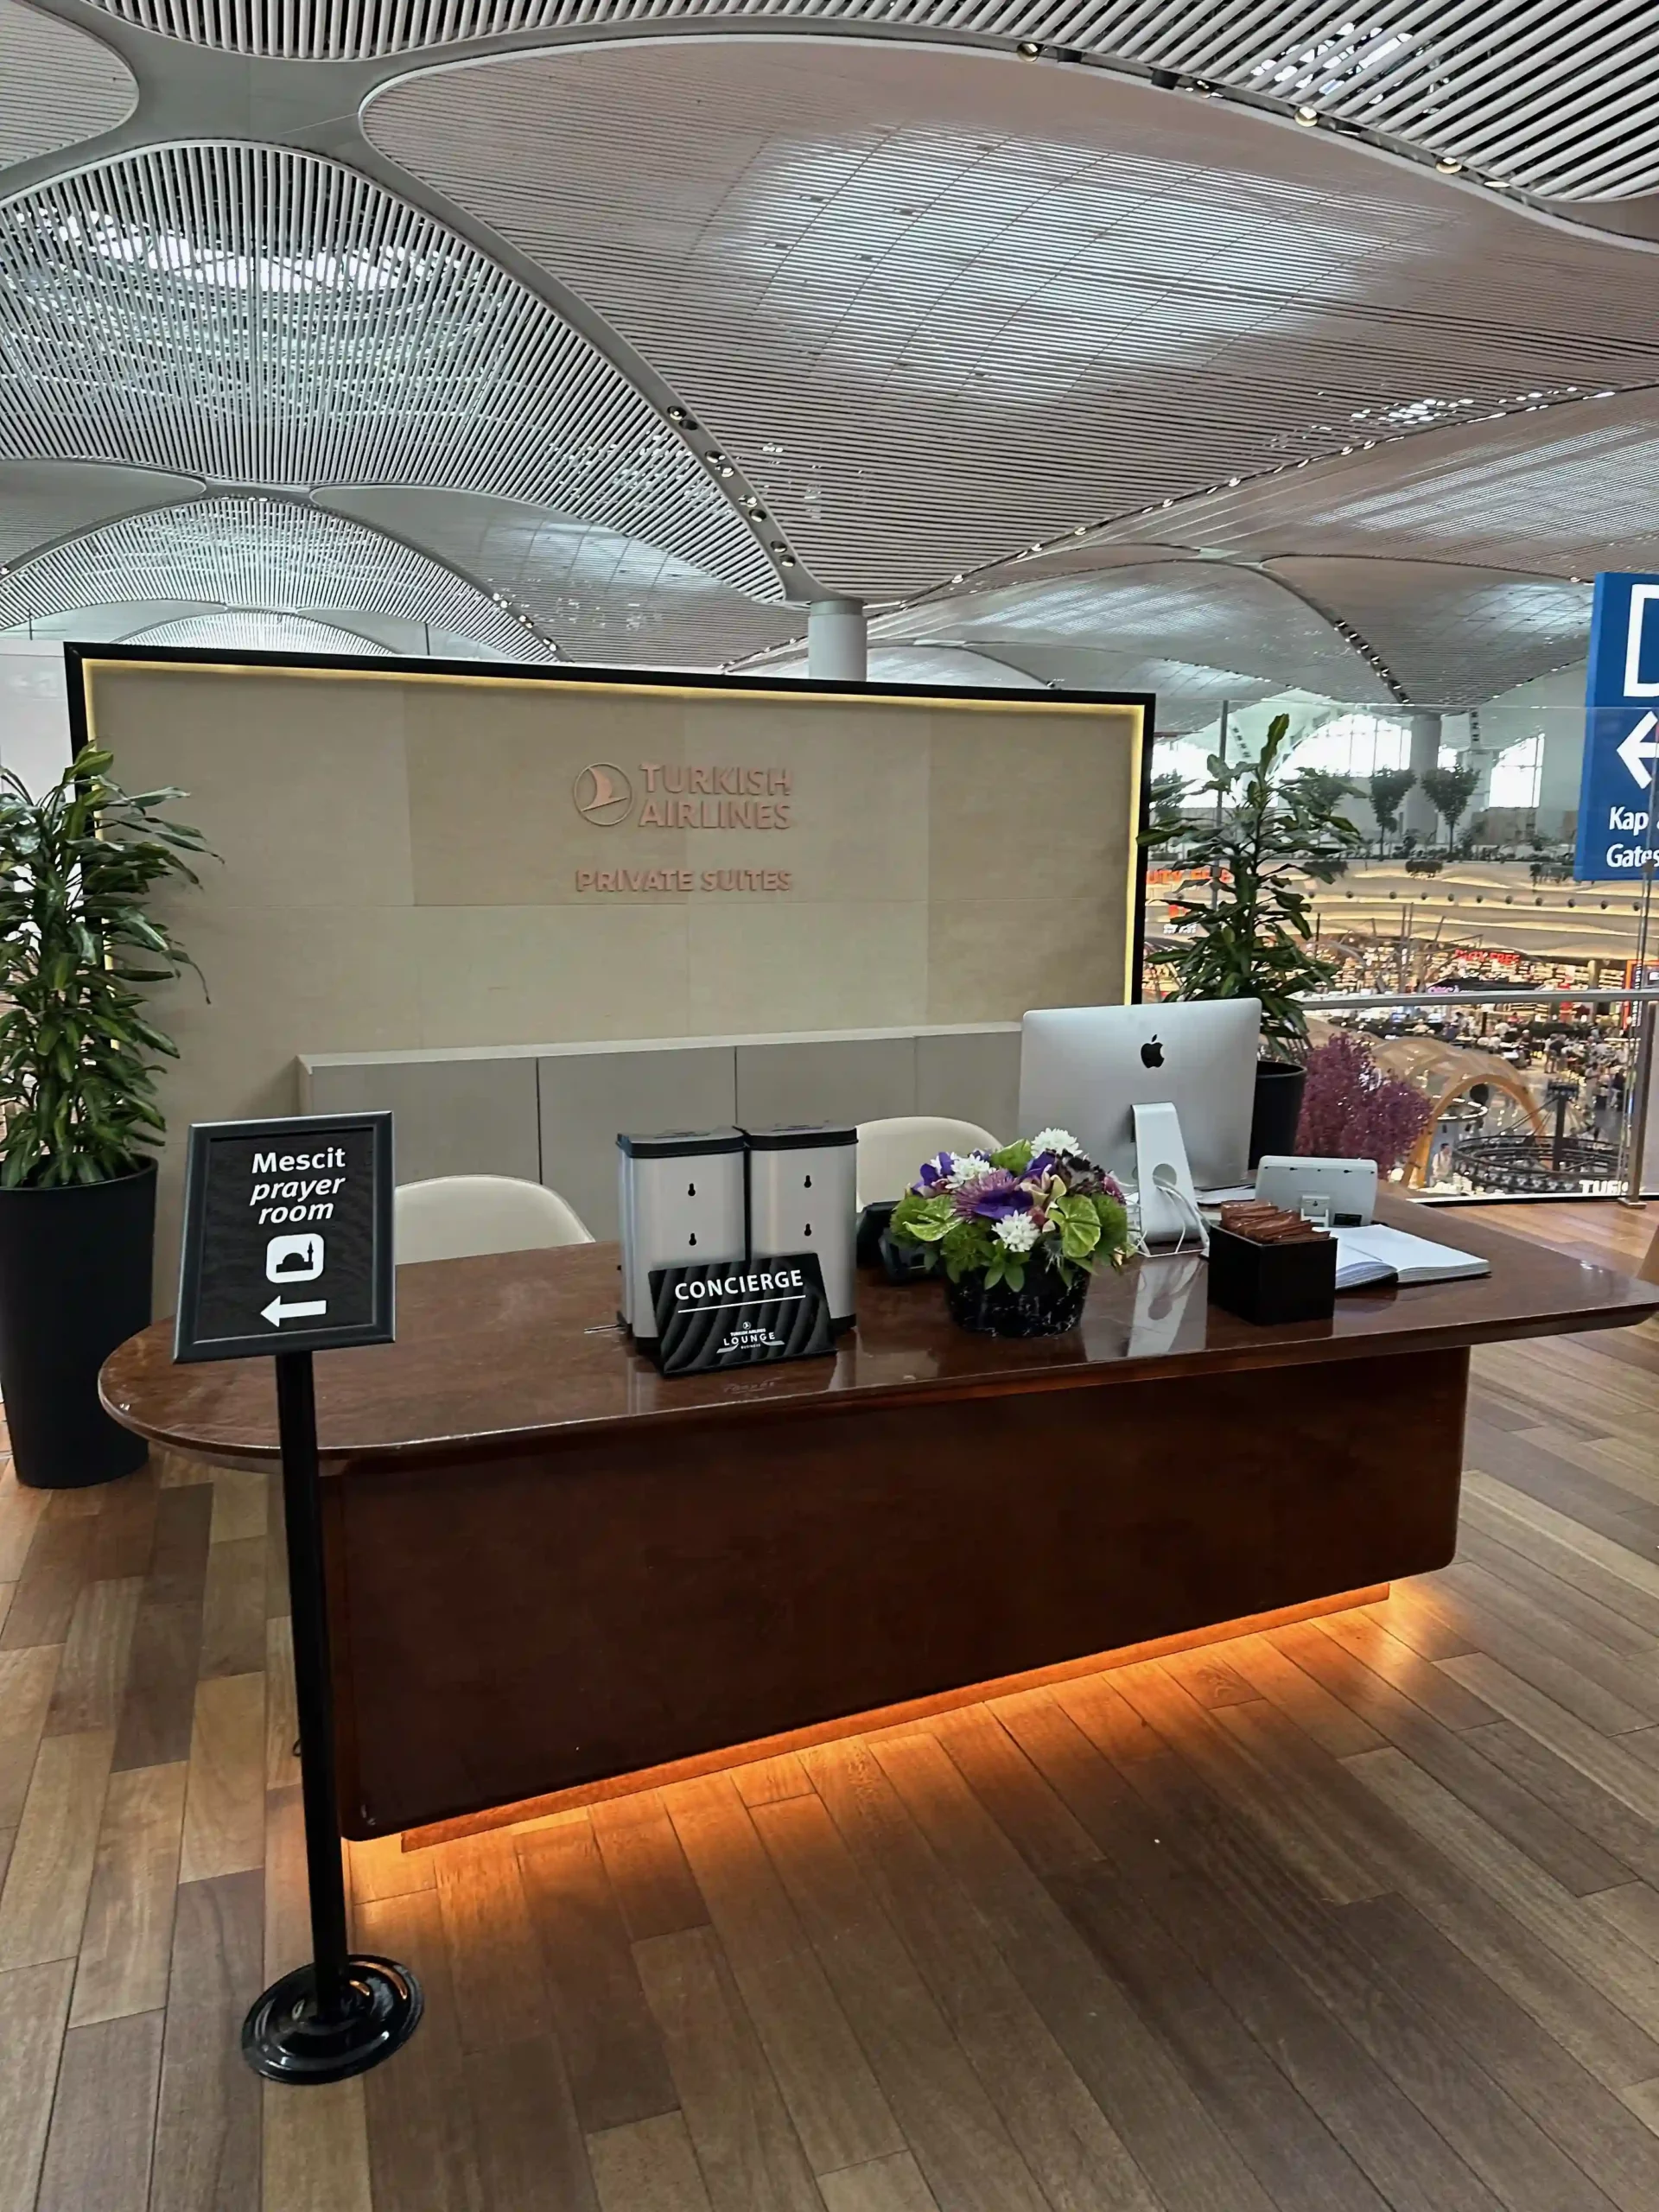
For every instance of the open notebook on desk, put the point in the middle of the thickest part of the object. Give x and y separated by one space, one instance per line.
1375 1255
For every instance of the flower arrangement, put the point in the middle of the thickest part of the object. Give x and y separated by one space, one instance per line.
1038 1203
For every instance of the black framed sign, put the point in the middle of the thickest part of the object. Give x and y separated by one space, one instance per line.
287 1236
740 1313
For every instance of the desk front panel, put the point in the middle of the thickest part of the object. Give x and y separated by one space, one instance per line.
508 1627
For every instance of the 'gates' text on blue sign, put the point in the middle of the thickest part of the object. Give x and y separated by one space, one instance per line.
1621 730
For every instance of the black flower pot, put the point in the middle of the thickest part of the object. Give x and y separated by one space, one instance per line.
75 1283
1278 1110
1047 1306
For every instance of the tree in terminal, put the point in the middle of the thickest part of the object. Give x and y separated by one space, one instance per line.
1387 792
1449 791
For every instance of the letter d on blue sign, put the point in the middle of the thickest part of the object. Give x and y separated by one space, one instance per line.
1621 731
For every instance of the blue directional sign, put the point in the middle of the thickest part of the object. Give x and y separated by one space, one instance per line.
1621 731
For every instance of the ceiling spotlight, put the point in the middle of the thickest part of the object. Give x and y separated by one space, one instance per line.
725 469
1307 115
784 560
1495 183
1028 49
1448 169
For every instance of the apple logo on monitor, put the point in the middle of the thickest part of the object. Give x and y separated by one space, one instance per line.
1152 1054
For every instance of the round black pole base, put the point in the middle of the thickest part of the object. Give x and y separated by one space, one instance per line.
284 2038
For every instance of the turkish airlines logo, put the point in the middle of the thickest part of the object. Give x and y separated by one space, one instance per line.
603 795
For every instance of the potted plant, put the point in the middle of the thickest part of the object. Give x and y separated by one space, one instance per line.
1249 934
1019 1231
77 1110
1354 1110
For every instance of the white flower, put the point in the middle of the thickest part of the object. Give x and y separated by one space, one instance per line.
1055 1141
969 1167
1018 1231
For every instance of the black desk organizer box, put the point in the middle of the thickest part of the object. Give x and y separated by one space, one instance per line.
1273 1283
877 1247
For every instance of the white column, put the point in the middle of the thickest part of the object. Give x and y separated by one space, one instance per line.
837 641
1417 812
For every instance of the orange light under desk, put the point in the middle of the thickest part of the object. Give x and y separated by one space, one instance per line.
868 1724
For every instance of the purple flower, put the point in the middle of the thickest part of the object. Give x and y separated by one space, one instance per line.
935 1170
993 1195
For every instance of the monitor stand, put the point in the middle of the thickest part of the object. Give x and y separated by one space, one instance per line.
1169 1204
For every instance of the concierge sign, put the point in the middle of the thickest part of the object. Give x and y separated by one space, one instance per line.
1621 731
287 1236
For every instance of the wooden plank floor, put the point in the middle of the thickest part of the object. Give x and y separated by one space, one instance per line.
1356 1915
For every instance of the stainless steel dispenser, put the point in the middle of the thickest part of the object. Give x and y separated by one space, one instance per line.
682 1200
803 1197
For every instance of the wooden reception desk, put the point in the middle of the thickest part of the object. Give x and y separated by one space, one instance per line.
549 1568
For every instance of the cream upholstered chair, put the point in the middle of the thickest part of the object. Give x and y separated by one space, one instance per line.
889 1153
456 1217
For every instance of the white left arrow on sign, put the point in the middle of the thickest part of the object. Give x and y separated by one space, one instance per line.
296 1310
1641 746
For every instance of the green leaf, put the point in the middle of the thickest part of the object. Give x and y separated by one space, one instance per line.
922 1221
1078 1223
77 1050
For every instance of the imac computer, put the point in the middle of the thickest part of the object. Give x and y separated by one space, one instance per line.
1086 1068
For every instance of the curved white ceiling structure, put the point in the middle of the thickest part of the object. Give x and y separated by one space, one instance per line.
269 633
1184 629
255 316
270 556
1570 489
57 85
941 303
604 597
654 317
1555 100
43 500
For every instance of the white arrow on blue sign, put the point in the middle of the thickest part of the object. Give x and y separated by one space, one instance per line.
1641 746
1621 731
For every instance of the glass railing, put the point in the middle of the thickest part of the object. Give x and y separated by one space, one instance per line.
1533 1094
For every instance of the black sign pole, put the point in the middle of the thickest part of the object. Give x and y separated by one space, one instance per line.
340 2014
287 1251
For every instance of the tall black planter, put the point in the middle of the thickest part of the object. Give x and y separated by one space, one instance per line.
75 1283
1278 1087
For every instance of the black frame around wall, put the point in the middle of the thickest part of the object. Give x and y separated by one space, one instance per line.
78 656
